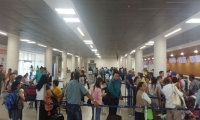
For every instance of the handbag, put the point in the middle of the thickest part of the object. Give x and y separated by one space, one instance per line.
177 100
107 98
148 113
48 102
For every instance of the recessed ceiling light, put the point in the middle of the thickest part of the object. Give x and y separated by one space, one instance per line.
71 19
24 40
152 58
91 46
171 55
125 55
182 53
196 51
94 50
173 32
42 45
148 58
31 42
3 33
145 59
142 47
193 20
65 11
132 51
80 31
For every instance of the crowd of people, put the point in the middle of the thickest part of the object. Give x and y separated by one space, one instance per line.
143 89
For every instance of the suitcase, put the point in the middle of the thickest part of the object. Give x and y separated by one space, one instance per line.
114 117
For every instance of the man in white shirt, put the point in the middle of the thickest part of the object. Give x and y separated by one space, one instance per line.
168 90
180 77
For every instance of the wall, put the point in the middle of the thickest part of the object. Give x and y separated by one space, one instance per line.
185 68
104 62
133 63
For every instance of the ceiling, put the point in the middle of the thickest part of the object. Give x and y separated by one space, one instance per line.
112 26
116 28
35 20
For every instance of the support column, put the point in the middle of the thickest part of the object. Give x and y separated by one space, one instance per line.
160 55
56 65
12 52
129 62
73 63
120 62
79 62
48 59
124 62
64 65
138 60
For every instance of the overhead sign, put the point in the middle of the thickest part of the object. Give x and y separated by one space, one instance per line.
172 60
182 60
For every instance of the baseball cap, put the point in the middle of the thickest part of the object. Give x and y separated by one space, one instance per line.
174 73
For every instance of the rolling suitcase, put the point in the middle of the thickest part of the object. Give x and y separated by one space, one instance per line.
114 117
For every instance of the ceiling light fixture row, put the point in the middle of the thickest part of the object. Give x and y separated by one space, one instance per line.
132 51
3 33
142 47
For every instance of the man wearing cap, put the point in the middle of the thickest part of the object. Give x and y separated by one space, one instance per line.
38 75
194 85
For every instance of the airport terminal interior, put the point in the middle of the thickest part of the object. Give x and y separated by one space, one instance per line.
99 59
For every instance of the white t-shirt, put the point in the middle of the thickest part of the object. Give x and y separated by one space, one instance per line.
168 92
107 76
183 84
40 94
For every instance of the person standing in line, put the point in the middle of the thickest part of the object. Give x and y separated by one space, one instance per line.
2 78
180 77
8 74
75 90
142 99
194 85
161 74
168 91
97 95
114 87
17 113
15 72
129 86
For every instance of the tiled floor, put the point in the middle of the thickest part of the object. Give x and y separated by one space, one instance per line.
30 113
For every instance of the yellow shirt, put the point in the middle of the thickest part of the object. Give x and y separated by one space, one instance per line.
57 91
143 79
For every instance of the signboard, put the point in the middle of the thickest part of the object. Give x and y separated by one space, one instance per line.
197 58
182 60
192 59
172 60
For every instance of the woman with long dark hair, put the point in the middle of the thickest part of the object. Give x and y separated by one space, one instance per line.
97 95
41 89
142 99
17 113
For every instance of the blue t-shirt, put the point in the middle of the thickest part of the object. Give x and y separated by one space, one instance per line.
129 78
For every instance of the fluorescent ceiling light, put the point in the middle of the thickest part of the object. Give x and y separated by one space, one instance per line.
80 31
69 53
42 45
171 55
132 51
91 46
24 40
125 55
55 49
196 51
182 53
3 33
65 11
71 19
193 20
173 32
151 42
76 56
97 54
94 50
142 47
31 42
87 41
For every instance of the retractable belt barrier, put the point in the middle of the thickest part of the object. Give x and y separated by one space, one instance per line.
120 106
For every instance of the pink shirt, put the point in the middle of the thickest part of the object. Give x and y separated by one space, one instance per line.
96 94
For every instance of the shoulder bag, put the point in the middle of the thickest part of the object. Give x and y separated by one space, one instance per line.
107 99
149 113
177 100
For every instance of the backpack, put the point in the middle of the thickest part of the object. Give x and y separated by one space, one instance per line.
48 104
11 101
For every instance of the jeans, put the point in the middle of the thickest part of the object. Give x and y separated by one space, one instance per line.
10 114
17 114
114 101
98 113
73 112
130 96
